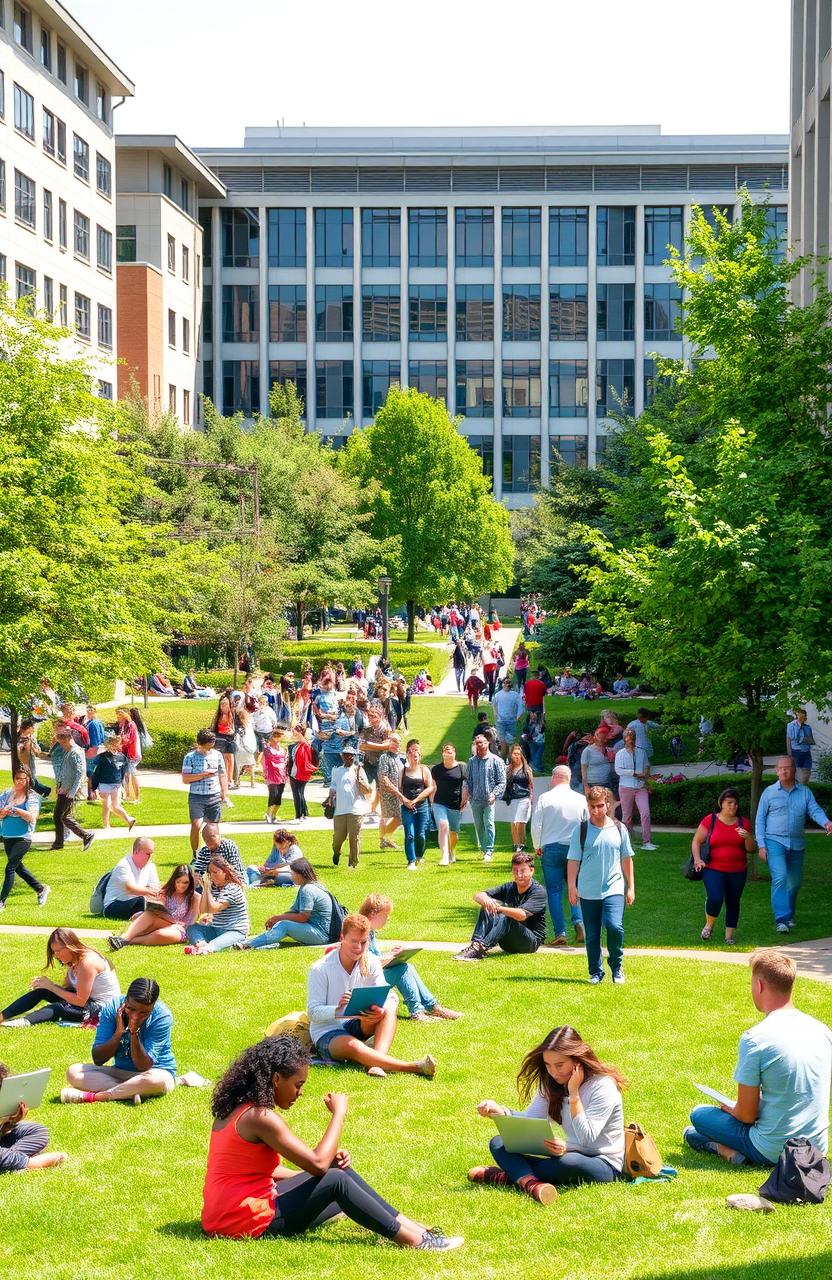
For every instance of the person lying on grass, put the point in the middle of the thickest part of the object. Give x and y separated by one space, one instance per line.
308 919
165 922
275 870
248 1192
23 1146
421 1005
223 911
89 983
135 1032
331 981
562 1079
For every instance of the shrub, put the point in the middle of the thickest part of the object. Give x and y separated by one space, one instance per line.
824 766
686 803
169 747
410 659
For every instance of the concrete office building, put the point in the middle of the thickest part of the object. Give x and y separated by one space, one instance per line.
516 273
810 188
58 90
159 270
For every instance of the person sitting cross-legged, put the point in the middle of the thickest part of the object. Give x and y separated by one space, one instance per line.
135 1032
421 1004
275 870
308 919
22 1143
223 911
512 915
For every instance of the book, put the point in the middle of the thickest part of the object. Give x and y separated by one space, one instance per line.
401 957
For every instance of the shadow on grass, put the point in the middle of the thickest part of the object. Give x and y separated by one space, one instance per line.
816 1267
539 979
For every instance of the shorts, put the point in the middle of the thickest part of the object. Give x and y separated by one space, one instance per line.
208 808
520 810
131 768
453 817
352 1027
108 788
802 759
225 746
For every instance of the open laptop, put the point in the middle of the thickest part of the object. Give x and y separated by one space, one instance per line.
29 1088
523 1135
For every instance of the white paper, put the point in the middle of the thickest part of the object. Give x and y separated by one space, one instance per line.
713 1093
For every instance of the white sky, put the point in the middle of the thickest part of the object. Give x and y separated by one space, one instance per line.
206 68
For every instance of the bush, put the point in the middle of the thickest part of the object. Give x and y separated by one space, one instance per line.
824 766
684 804
170 746
410 659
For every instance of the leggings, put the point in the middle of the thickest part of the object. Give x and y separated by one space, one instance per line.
304 1202
16 848
57 1009
24 1140
298 790
724 886
640 797
565 1170
459 672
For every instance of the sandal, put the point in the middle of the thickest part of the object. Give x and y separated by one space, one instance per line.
705 935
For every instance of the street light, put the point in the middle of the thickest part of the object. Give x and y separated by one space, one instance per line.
384 585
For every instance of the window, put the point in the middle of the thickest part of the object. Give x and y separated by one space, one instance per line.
105 390
521 237
333 388
713 212
474 237
81 240
283 371
240 313
24 112
653 381
104 249
100 101
25 282
616 236
430 376
521 464
126 243
381 237
171 328
662 228
61 62
333 313
167 181
484 446
186 264
207 315
82 316
186 407
616 312
287 313
208 379
24 199
427 237
568 389
60 140
614 387
2 89
521 388
333 237
171 254
62 225
568 237
240 230
521 313
45 48
777 225
428 310
206 222
475 388
381 312
48 132
63 306
2 268
171 399
2 184
241 387
184 195
662 311
47 215
81 158
49 296
377 376
569 450
103 175
475 313
22 29
105 326
286 236
186 335
81 84
568 313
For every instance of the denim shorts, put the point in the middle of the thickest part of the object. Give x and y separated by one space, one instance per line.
453 817
352 1027
208 808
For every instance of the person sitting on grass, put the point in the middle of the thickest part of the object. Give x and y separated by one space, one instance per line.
135 1032
275 870
308 919
562 1079
23 1145
340 1039
512 915
131 882
216 846
89 983
165 922
421 1005
248 1191
223 911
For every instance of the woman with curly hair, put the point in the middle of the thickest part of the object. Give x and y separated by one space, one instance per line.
248 1191
562 1079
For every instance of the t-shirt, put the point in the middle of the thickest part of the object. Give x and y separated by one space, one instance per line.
125 872
12 827
449 784
210 761
600 874
534 691
789 1056
235 915
154 1036
727 844
348 795
598 768
314 899
533 902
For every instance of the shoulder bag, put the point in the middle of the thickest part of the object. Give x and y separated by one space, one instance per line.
689 870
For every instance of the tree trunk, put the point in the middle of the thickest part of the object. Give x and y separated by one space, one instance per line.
299 619
756 788
411 621
13 723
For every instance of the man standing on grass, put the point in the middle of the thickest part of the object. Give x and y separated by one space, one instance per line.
781 838
512 915
556 815
484 784
70 769
203 772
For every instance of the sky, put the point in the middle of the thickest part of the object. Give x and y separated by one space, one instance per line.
205 69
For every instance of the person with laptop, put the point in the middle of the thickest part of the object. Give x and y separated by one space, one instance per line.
22 1143
561 1080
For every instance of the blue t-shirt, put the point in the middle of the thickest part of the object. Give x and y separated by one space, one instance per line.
600 874
314 899
154 1036
789 1056
12 827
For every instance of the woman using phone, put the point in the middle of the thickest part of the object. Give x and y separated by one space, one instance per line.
563 1080
223 911
166 922
89 983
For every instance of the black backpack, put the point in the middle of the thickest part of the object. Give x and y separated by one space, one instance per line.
801 1175
336 920
585 830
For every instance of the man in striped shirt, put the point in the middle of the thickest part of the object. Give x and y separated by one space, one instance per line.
485 783
214 844
203 772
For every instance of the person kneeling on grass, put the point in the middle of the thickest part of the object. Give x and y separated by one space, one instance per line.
421 1005
223 911
562 1079
135 1032
90 982
249 1193
512 915
308 919
275 870
331 981
165 921
23 1146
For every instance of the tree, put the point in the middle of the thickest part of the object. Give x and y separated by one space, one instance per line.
430 506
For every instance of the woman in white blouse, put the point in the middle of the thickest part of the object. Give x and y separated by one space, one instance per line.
563 1080
632 765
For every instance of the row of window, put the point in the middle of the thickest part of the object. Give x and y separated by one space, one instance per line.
57 308
52 55
25 212
172 331
54 139
173 404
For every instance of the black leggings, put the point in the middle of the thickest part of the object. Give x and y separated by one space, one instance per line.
24 1140
304 1202
16 848
298 790
724 886
57 1010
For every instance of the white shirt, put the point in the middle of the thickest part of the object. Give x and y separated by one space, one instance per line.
125 872
556 815
348 798
628 763
327 982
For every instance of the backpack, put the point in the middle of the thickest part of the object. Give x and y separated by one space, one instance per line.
97 895
585 829
336 920
292 1024
801 1175
641 1155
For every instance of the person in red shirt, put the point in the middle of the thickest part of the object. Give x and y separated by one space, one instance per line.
724 871
534 692
131 748
474 686
69 717
300 770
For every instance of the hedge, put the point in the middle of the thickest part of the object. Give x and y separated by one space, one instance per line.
684 804
410 659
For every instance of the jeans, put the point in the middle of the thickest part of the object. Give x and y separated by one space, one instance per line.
306 934
417 998
484 825
64 818
537 749
520 676
57 1009
459 672
717 1126
553 859
282 880
608 912
299 797
786 868
123 908
565 1170
328 761
511 935
16 848
640 797
304 1202
415 823
727 886
24 1140
215 936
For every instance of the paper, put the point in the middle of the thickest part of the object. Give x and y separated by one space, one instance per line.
713 1093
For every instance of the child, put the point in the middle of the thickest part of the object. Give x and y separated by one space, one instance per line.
421 1005
474 686
23 1146
275 758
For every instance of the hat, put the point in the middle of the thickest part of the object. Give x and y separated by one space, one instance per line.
347 750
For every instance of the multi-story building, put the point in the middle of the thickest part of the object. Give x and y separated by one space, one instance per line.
518 274
810 186
159 255
58 90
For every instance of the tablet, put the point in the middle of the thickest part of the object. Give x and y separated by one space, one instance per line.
714 1093
523 1135
402 957
28 1088
361 998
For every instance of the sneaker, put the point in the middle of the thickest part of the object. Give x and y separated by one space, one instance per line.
783 927
791 923
76 1095
436 1239
411 866
697 1141
580 933
336 858
439 1011
705 935
489 1175
596 979
453 857
237 946
542 1192
115 942
427 1066
444 862
650 848
267 817
750 1202
486 857
618 978
16 1023
229 804
475 951
88 839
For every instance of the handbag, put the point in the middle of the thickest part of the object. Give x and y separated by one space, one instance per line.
329 809
292 1024
689 870
641 1155
801 1175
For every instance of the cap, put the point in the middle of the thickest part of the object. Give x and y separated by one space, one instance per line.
348 751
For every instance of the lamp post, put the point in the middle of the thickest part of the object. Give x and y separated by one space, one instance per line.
384 585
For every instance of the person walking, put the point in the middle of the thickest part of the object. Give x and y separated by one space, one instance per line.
730 840
600 872
131 747
484 784
107 778
449 779
459 661
70 768
557 814
633 769
596 766
19 808
521 665
203 773
415 791
781 839
518 795
508 708
301 769
799 742
350 791
388 773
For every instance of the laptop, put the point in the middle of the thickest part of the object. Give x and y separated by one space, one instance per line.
29 1088
523 1135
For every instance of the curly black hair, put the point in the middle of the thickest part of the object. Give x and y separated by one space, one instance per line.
249 1078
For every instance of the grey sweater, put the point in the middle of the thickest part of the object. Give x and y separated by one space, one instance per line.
599 1131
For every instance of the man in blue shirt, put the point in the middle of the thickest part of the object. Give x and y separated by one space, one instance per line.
134 1031
781 839
641 727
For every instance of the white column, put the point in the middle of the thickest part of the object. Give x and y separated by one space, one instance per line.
404 304
686 346
263 291
498 352
311 385
216 288
591 328
356 315
639 309
545 450
451 288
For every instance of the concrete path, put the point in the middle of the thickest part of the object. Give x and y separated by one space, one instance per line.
508 637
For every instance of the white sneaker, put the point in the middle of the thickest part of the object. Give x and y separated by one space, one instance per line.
444 862
229 804
411 866
16 1022
649 847
486 857
44 894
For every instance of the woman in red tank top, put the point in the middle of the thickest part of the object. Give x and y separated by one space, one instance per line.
247 1190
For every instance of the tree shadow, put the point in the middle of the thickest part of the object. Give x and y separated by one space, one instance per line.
539 980
814 1268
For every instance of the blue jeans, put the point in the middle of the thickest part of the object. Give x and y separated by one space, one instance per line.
786 869
565 1170
717 1126
215 937
609 913
484 825
328 760
537 749
415 823
553 861
306 934
416 995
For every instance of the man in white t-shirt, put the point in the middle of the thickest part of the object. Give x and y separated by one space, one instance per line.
131 880
556 815
350 790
